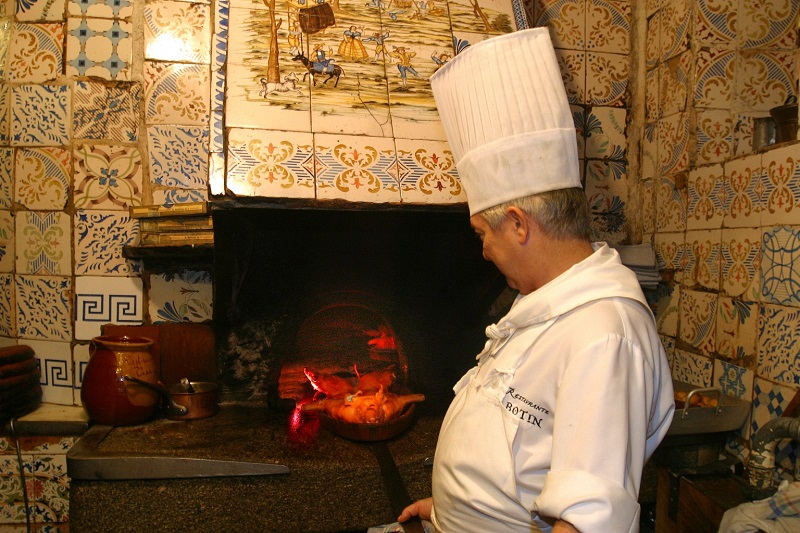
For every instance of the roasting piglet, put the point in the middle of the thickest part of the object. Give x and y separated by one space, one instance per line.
360 408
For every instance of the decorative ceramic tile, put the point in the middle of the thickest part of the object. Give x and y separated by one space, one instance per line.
770 24
216 174
49 477
652 106
122 9
692 368
605 133
716 22
106 300
492 17
714 78
733 380
697 320
12 506
43 243
579 118
178 156
714 136
107 177
675 20
741 263
769 401
780 265
670 248
6 177
93 231
177 93
566 22
39 115
573 73
270 163
42 177
647 198
781 195
80 358
608 26
703 255
106 111
99 47
743 186
674 83
427 173
606 79
743 133
779 332
650 167
5 110
55 363
168 197
39 10
670 206
177 31
705 188
35 52
361 169
652 50
651 6
7 316
737 327
765 79
43 307
607 194
7 246
184 297
216 143
673 143
668 313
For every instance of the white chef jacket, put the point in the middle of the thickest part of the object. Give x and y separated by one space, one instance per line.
571 395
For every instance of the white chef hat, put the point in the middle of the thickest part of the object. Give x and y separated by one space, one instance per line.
507 119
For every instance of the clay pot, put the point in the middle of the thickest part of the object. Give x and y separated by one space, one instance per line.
107 397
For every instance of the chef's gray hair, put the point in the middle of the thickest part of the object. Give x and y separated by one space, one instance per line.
562 214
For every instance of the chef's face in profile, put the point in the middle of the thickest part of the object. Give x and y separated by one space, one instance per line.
498 245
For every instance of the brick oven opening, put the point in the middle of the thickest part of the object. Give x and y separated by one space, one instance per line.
345 291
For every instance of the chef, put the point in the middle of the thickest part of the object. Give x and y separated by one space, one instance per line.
572 392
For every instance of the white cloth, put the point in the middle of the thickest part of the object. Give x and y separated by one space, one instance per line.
571 396
507 119
780 513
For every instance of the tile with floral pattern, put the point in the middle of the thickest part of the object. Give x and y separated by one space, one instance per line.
184 297
714 136
99 47
744 132
7 237
743 186
652 49
714 75
357 169
780 265
741 263
44 307
697 320
705 188
604 131
6 177
674 83
93 231
579 118
781 195
606 78
107 177
647 203
770 24
607 194
178 156
737 327
608 26
652 105
177 31
177 93
168 197
5 107
119 102
692 368
106 300
703 258
39 115
670 248
673 143
765 79
675 23
735 381
8 321
716 22
649 164
55 363
12 507
43 243
270 163
48 485
671 206
566 20
667 313
122 9
427 173
573 72
42 177
35 53
778 335
38 10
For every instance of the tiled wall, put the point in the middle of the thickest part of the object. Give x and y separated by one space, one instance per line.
725 217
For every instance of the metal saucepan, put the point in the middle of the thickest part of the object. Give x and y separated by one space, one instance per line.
186 400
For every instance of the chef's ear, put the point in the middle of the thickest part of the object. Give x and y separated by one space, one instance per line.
521 223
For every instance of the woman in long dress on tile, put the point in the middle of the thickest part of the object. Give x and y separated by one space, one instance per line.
351 46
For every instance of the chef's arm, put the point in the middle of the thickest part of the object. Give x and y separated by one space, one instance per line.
564 527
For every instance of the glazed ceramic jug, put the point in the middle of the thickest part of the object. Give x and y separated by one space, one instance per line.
107 396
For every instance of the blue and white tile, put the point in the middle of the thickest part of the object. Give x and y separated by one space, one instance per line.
39 10
780 265
8 323
99 47
94 230
44 309
5 112
692 368
80 358
769 401
122 9
43 243
120 102
779 344
184 297
177 93
7 241
737 329
55 364
39 115
103 300
733 380
6 177
168 197
178 156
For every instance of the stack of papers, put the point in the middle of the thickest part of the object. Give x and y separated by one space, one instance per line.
642 259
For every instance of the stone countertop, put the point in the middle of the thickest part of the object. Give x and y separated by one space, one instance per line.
51 419
333 484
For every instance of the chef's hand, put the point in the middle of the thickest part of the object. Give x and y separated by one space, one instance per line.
420 508
562 526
